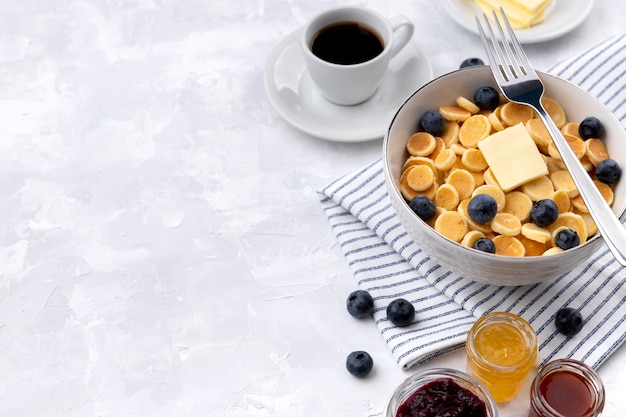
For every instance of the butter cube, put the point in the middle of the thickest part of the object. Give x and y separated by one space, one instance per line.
513 157
521 13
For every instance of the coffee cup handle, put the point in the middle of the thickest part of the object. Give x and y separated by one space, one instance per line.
402 29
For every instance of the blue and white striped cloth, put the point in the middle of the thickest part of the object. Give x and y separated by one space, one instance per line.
388 264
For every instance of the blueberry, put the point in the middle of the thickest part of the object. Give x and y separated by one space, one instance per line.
360 304
544 212
482 208
590 127
433 123
568 321
471 62
423 207
485 245
401 312
608 171
487 98
359 363
567 239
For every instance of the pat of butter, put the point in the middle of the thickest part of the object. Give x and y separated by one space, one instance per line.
521 13
513 157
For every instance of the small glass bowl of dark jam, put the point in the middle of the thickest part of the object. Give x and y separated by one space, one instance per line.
440 392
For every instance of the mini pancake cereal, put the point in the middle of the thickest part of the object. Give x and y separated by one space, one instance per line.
532 247
495 122
570 128
445 160
450 133
440 145
506 224
474 160
419 160
454 114
563 181
463 181
552 251
596 151
564 202
447 197
513 113
519 204
539 133
556 112
605 190
509 246
420 178
535 233
451 225
449 168
421 144
471 237
591 225
473 130
574 142
467 104
538 189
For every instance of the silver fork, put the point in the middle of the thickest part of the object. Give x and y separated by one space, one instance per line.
519 83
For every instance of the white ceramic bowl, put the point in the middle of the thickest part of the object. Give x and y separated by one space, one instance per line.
473 264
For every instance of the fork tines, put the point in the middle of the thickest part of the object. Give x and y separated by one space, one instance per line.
509 56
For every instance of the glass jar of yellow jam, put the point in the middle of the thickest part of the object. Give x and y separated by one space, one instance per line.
501 350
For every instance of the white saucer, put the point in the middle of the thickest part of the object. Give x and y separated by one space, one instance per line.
293 95
563 17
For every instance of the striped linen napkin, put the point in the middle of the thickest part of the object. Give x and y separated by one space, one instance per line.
388 264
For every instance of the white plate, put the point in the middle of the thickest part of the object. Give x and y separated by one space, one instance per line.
294 96
563 17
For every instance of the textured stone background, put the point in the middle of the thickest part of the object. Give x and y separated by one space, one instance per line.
163 250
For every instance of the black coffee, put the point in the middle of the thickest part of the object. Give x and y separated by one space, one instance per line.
346 43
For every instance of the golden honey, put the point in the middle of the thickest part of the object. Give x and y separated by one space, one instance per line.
566 387
501 350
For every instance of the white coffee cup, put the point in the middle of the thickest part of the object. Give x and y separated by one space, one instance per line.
353 83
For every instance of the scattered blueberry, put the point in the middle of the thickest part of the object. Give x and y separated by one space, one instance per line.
360 304
423 207
487 98
567 239
608 171
482 208
401 312
471 62
432 122
568 321
590 127
544 212
359 363
485 245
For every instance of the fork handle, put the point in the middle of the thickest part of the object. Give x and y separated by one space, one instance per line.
606 221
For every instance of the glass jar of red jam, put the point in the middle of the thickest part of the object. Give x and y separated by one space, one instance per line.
501 350
566 388
440 391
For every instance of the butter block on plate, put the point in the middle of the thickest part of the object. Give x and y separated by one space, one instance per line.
521 13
